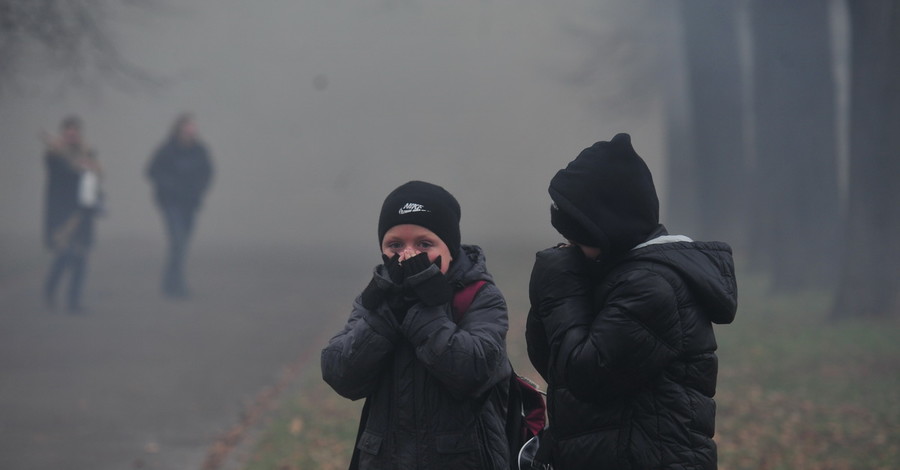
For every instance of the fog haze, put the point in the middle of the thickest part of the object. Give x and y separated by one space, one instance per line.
314 111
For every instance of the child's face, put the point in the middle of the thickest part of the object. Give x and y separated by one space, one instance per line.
71 135
409 240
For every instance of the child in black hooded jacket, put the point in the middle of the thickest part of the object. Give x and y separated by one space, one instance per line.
621 322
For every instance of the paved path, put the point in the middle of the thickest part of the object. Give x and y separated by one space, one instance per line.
141 382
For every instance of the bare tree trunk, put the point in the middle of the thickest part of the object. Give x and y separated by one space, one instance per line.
707 162
795 185
870 272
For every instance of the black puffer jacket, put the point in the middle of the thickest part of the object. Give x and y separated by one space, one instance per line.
629 353
437 389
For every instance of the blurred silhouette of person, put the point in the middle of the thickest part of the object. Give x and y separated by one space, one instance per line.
180 172
72 201
621 322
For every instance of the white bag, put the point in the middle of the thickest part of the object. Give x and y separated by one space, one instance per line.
89 190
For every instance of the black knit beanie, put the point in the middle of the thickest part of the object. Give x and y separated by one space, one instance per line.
605 198
426 205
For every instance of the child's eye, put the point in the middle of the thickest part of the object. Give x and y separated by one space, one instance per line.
426 244
394 245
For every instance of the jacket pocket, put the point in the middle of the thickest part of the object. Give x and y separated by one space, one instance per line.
455 443
456 451
369 443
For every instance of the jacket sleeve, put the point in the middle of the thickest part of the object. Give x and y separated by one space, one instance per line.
355 358
633 337
537 344
469 357
559 291
207 172
157 170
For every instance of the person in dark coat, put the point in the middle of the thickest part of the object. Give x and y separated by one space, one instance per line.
180 171
621 322
436 389
71 203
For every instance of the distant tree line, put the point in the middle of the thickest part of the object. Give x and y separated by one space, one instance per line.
760 147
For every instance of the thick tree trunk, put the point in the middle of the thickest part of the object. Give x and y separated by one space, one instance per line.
795 187
870 274
707 165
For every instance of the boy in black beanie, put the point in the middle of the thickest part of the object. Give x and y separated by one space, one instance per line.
621 322
434 379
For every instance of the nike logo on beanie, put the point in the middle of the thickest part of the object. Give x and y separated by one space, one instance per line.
410 207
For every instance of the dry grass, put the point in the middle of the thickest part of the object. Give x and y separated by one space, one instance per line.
798 392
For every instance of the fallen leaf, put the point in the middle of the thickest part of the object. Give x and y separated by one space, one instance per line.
296 426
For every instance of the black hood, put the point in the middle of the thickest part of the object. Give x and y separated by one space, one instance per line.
706 267
605 198
468 267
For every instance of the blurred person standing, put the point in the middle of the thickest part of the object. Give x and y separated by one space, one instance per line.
72 200
621 322
180 172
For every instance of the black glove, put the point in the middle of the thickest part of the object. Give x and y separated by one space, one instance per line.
379 287
417 264
398 300
373 294
399 304
393 268
426 281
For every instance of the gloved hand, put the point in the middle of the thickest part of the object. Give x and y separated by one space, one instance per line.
426 281
418 263
393 268
399 303
380 285
398 299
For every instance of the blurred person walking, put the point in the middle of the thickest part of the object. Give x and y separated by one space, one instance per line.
180 172
621 322
72 200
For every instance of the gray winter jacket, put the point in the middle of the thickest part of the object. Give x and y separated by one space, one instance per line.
437 389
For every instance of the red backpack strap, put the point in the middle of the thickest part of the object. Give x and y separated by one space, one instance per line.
534 408
463 299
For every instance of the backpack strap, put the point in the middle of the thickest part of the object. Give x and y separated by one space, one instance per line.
534 407
463 299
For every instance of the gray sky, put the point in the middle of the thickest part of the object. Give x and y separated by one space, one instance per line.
474 95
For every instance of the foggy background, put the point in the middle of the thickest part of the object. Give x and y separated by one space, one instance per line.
767 124
315 111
